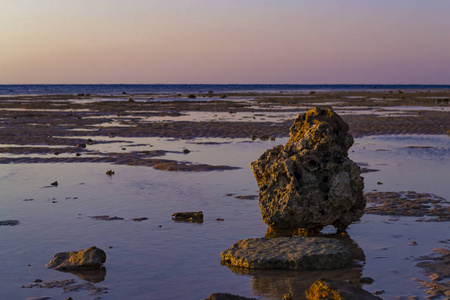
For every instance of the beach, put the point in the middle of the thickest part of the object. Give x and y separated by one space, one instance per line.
190 151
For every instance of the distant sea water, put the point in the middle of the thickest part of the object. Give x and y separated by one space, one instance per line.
115 89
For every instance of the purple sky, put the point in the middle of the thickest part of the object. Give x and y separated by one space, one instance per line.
251 41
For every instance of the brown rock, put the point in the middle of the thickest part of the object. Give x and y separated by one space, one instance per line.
310 182
90 258
324 289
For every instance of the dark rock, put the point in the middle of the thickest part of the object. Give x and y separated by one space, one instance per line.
82 145
226 296
54 183
106 218
324 289
310 182
90 258
188 216
9 223
110 172
366 280
139 219
186 151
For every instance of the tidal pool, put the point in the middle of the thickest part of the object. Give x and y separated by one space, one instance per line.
162 259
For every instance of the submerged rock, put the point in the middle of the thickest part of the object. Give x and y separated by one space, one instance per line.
188 216
294 253
226 296
9 223
310 182
324 289
90 258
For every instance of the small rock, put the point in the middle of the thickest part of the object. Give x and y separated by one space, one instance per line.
81 145
254 137
186 151
9 223
366 280
379 292
78 154
220 219
130 100
110 172
226 296
435 277
324 289
54 183
188 216
38 280
379 183
264 137
139 219
90 258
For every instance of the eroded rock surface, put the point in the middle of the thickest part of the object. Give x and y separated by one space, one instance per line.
294 253
310 182
324 289
90 258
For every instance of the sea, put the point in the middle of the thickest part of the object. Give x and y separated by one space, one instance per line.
115 89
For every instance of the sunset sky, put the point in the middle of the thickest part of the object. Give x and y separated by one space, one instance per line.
233 41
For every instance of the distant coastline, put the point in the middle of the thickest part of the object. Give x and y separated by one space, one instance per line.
99 89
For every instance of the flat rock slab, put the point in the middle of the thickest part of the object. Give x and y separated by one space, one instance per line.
294 253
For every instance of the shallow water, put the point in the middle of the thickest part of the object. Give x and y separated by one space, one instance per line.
181 260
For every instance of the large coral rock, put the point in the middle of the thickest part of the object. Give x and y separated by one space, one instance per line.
310 182
90 258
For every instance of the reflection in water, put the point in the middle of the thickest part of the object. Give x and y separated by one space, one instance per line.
95 276
274 283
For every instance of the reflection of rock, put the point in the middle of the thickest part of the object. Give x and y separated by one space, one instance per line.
294 253
310 182
273 284
324 289
90 258
226 296
97 275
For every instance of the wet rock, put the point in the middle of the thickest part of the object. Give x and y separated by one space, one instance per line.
310 182
186 151
188 216
324 289
226 296
408 203
139 219
54 183
106 218
9 223
90 258
366 280
110 172
295 253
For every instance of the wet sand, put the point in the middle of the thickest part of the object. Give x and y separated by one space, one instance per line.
64 121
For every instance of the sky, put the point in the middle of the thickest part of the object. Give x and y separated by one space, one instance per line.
220 42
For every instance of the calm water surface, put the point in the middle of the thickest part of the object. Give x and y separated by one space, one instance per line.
162 259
